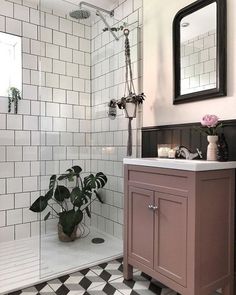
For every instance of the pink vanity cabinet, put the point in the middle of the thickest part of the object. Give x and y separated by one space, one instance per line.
179 227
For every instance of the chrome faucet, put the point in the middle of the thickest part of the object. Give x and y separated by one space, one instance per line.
182 151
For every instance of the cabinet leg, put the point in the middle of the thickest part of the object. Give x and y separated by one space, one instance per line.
228 289
127 271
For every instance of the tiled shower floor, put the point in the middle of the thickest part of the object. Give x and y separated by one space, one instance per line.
26 262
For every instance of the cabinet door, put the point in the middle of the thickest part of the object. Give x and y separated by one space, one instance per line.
140 228
170 236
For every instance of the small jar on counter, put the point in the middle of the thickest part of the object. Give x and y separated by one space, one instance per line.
163 150
171 154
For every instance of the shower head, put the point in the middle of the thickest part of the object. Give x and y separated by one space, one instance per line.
80 14
83 14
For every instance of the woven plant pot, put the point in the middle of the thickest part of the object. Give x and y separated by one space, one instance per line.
63 237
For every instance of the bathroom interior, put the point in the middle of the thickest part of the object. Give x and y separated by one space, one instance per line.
69 71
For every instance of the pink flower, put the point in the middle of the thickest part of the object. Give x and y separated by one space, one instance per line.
210 121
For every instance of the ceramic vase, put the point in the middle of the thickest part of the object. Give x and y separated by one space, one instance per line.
212 148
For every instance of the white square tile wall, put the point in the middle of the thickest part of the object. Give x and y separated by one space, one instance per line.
198 63
63 121
50 132
109 138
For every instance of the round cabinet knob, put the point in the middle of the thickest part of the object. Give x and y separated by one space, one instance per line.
155 208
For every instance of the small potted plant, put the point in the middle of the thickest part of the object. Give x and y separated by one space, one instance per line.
129 104
73 204
130 100
14 96
209 126
112 109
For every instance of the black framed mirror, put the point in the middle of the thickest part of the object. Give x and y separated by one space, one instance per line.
199 51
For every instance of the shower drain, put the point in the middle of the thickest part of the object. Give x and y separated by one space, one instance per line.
98 241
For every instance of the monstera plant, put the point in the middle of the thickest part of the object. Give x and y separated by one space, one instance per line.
73 203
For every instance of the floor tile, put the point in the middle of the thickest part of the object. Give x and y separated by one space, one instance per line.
26 291
139 285
109 271
103 279
76 282
103 289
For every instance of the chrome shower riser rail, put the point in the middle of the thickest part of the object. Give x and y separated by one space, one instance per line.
111 13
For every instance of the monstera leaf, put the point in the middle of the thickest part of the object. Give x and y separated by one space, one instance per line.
47 216
77 170
98 197
87 193
71 173
88 212
76 197
49 195
80 198
61 193
98 181
39 205
69 219
52 182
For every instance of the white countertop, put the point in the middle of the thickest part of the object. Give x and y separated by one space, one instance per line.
180 164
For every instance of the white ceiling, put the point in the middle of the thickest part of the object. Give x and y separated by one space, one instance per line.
68 5
107 4
200 22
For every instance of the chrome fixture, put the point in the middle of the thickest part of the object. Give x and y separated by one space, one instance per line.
107 25
152 207
80 14
84 14
183 152
110 12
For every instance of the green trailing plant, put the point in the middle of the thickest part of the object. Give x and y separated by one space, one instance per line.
112 103
131 98
73 203
14 96
130 95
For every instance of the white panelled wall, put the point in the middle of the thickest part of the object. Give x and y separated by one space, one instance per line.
59 123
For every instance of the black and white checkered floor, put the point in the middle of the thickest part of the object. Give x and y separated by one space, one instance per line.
106 278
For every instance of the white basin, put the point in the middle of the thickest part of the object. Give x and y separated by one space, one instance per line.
180 164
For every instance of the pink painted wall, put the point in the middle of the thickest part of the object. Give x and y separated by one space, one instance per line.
158 85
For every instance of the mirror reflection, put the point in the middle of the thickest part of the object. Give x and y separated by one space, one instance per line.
10 61
198 39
